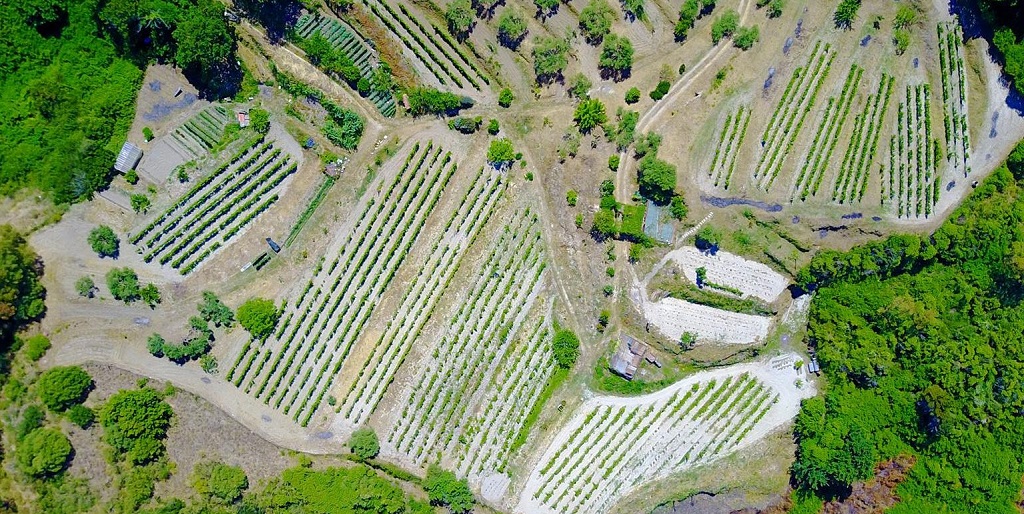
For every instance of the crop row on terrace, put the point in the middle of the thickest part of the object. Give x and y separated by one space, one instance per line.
417 306
954 97
216 209
819 156
786 122
202 131
304 361
729 141
914 181
611 448
441 63
349 43
437 414
854 172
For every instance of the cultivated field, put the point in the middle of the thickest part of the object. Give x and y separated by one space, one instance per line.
613 445
749 277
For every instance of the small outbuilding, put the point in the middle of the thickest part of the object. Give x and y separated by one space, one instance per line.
128 158
243 119
629 356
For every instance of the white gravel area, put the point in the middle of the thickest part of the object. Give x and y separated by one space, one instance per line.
750 277
673 317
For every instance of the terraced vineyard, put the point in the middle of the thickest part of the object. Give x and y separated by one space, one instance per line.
217 208
852 182
914 183
440 54
348 42
477 386
833 120
954 97
613 444
422 296
729 141
294 369
784 126
201 132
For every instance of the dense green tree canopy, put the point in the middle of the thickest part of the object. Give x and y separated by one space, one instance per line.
501 152
258 316
104 241
657 179
364 443
204 40
549 58
616 59
920 339
511 27
43 452
213 310
219 481
460 17
21 293
444 488
596 20
63 386
566 347
123 284
589 113
337 491
135 422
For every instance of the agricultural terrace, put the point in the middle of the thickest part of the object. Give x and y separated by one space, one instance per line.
217 207
673 317
734 272
613 445
864 124
479 378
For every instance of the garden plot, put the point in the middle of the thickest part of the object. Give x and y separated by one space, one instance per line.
787 120
673 317
475 389
422 296
729 142
347 41
852 181
440 55
819 156
614 445
217 208
201 132
294 369
954 97
749 277
914 183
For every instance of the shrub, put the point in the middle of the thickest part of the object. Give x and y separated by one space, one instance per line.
633 95
602 320
571 197
104 241
31 419
905 17
131 177
155 344
43 452
604 224
610 271
364 443
505 98
427 100
636 252
81 415
258 316
346 132
708 238
213 310
648 144
85 287
613 162
36 346
459 15
465 125
150 294
579 85
219 482
123 284
724 26
846 13
140 203
608 290
746 37
901 40
661 90
444 488
677 208
589 113
546 7
774 9
566 348
259 120
501 153
208 363
147 133
579 220
607 187
61 387
493 127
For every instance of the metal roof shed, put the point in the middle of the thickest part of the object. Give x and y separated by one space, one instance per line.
128 158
